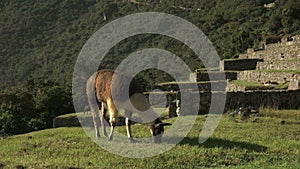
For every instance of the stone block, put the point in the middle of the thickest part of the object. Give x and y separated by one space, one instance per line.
294 83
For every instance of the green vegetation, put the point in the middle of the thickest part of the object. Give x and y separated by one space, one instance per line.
237 59
282 86
185 82
32 108
258 142
40 42
245 83
208 69
175 83
41 39
255 84
70 115
280 114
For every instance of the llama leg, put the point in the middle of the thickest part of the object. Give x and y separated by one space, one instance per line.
128 116
95 116
96 122
103 113
112 126
113 112
90 91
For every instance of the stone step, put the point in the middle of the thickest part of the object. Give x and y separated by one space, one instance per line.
212 76
239 64
189 86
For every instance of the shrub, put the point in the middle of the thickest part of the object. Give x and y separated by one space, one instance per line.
10 121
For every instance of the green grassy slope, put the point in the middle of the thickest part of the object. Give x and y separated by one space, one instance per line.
259 142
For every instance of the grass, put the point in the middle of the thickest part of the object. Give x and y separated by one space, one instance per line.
245 83
238 59
174 83
259 142
68 115
282 86
255 84
186 83
208 69
281 114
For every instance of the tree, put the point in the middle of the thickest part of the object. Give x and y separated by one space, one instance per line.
10 120
53 101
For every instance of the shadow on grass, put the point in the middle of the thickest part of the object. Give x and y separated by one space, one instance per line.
216 142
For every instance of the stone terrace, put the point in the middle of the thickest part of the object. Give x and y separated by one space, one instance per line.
281 62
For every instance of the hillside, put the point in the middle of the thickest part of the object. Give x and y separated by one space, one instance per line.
259 142
40 40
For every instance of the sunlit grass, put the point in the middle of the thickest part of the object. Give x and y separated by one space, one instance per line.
245 83
258 142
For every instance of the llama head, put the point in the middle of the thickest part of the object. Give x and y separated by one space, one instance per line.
157 131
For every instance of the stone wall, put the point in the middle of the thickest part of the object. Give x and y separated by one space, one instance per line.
269 99
281 61
276 99
239 64
294 83
233 88
66 122
286 50
264 76
273 99
279 65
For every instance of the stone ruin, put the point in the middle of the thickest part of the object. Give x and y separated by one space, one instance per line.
277 62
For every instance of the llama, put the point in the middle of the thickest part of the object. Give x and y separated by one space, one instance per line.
101 84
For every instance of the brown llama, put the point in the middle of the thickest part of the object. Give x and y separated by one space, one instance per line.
101 84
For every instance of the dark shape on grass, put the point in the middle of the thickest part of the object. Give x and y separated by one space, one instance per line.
216 142
2 165
20 167
245 112
73 168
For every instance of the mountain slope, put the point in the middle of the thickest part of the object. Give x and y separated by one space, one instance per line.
41 39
